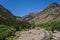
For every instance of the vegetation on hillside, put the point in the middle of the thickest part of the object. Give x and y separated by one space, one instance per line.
50 26
9 23
6 31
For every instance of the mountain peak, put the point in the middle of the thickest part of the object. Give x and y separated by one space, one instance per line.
55 4
46 15
1 6
52 5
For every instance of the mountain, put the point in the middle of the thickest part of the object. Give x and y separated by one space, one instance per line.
19 18
7 18
29 16
50 13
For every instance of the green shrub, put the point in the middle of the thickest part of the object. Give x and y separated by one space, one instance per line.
50 26
6 31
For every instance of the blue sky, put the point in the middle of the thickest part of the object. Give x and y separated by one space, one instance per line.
23 7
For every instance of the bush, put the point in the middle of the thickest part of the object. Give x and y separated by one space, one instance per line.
6 31
50 26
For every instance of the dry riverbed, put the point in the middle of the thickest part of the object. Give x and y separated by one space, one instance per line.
35 34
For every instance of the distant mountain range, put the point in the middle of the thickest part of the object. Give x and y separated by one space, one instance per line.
50 13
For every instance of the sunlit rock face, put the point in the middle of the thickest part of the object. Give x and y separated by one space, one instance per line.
45 15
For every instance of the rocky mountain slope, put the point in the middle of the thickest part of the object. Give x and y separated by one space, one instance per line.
9 24
50 13
7 18
29 16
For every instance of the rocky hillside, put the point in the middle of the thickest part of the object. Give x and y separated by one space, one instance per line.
29 16
9 24
50 13
7 18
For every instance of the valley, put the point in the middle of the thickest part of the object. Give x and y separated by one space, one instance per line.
42 25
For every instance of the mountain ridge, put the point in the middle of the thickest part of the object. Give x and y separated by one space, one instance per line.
45 15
